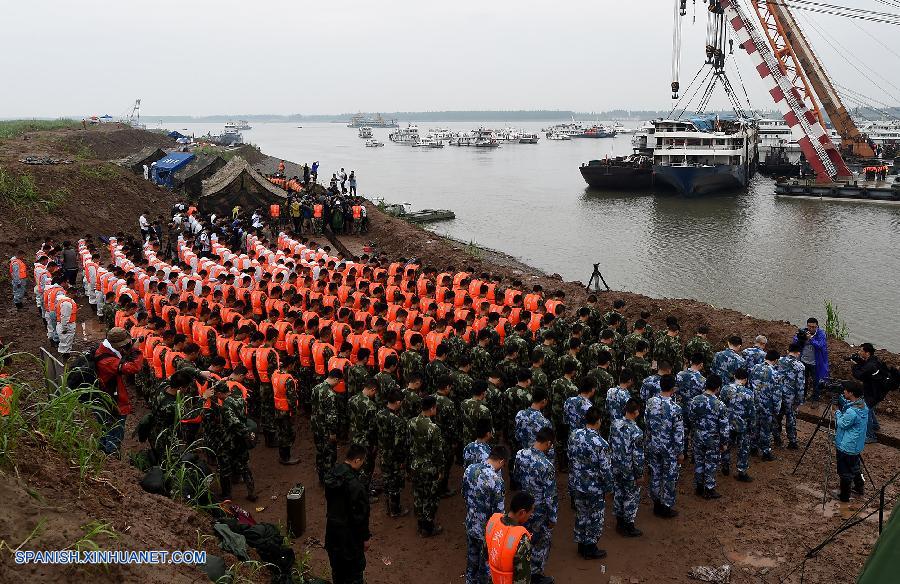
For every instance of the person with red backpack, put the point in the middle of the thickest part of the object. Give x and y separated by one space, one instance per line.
113 360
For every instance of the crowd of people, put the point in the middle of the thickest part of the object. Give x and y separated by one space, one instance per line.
228 333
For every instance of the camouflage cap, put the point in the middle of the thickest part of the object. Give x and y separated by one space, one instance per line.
118 337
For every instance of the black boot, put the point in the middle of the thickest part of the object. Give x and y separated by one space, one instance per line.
251 490
631 531
225 485
620 524
698 490
396 509
844 494
284 456
433 528
711 494
667 512
590 551
744 477
768 457
726 469
657 508
444 490
270 440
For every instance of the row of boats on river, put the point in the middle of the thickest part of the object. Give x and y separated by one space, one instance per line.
702 155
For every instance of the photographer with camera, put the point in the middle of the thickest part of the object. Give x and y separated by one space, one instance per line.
865 366
813 355
850 439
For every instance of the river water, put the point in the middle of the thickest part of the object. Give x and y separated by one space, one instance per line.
765 256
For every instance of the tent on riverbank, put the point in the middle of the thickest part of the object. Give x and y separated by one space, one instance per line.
237 183
147 156
189 179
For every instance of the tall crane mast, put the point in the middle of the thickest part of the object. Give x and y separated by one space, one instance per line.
789 88
792 49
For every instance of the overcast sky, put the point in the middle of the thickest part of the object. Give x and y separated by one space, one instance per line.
84 57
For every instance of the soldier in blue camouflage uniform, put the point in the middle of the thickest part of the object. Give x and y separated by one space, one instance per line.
590 478
766 382
793 375
650 385
426 464
478 449
617 397
483 491
536 475
577 406
740 401
626 442
726 362
690 384
531 420
756 354
709 419
665 447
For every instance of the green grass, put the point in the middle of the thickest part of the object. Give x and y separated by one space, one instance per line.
15 128
103 171
834 324
21 191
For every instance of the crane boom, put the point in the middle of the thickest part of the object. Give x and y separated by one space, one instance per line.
788 93
852 139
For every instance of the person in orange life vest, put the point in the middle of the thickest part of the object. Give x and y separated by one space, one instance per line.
341 361
387 348
266 362
287 402
67 312
509 543
18 274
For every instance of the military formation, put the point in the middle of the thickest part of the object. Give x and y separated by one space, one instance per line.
427 370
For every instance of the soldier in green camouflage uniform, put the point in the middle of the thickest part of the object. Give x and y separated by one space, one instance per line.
412 397
456 345
168 409
363 430
668 347
700 344
358 374
604 345
411 360
516 398
474 409
482 361
448 420
614 318
494 398
547 349
517 339
437 368
572 356
462 381
324 423
631 340
426 465
226 419
605 380
509 366
393 449
387 378
638 364
561 390
539 378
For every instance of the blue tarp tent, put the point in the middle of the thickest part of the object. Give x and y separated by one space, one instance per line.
165 167
175 134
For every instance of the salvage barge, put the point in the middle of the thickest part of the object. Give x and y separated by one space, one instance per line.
872 191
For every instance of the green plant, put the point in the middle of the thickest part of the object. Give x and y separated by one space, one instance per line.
186 480
473 250
15 128
21 191
834 324
93 530
104 171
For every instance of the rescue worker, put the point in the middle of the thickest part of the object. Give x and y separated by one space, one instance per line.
287 403
509 543
18 275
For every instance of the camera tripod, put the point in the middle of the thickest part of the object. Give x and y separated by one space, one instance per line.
596 279
826 419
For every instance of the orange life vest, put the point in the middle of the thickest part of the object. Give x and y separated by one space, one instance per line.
262 362
318 356
502 542
70 302
317 211
169 362
201 337
279 389
357 211
383 353
17 266
274 211
342 364
6 395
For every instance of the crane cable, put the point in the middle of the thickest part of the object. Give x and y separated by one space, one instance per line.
843 53
884 18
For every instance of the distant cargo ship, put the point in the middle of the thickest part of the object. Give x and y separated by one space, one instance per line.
360 120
